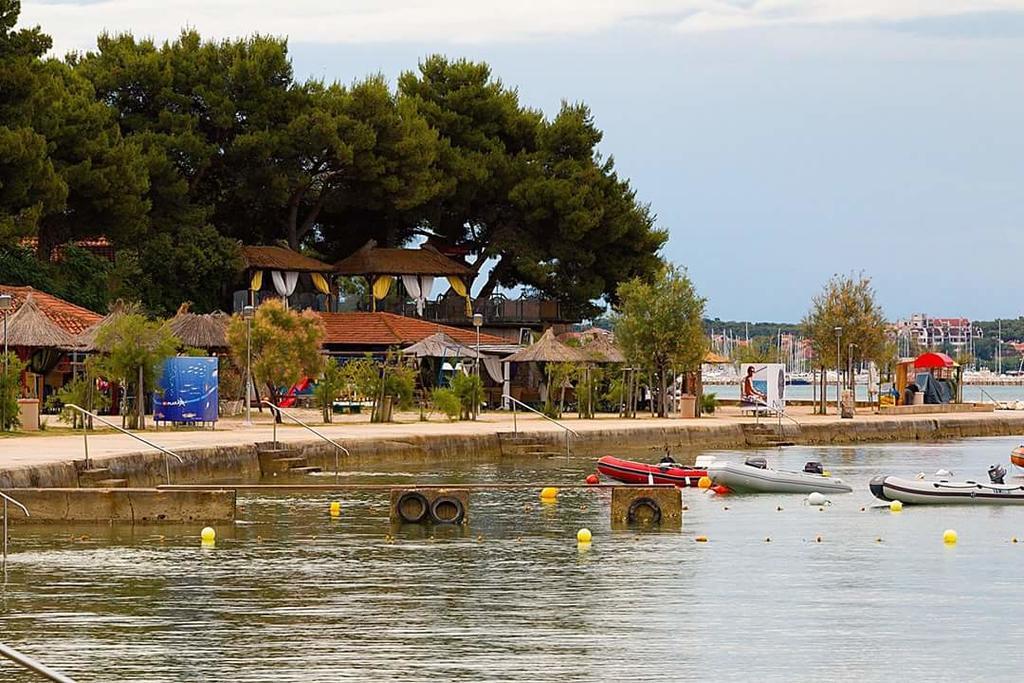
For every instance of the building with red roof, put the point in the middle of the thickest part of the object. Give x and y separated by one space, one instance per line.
356 333
70 317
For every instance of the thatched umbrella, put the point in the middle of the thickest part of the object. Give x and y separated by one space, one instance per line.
86 341
601 350
209 332
439 345
548 350
29 327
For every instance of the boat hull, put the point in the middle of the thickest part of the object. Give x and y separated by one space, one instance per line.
1017 457
741 478
632 472
921 492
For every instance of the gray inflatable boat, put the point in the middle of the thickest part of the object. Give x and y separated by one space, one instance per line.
754 476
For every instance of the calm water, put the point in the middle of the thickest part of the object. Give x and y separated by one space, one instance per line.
290 595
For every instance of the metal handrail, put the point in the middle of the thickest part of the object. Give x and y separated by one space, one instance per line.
85 434
23 509
27 662
282 411
515 424
990 396
778 412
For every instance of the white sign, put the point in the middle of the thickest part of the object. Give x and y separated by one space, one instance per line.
763 384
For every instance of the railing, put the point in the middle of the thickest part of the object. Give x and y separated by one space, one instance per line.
326 438
85 434
515 424
779 413
990 396
23 509
30 664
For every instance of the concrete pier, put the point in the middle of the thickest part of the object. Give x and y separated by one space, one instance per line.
129 506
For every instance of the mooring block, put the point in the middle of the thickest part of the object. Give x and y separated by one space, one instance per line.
647 506
122 505
440 506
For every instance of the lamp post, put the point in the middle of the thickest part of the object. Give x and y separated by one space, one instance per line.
247 313
478 321
6 302
839 334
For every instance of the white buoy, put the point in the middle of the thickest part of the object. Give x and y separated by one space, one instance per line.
815 498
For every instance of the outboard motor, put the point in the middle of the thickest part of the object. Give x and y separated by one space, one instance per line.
758 461
813 467
996 474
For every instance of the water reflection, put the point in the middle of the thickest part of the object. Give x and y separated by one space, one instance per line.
290 594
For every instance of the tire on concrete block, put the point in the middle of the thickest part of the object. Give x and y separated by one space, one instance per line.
411 507
647 506
447 510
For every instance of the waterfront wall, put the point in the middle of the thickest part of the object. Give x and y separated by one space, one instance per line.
238 463
129 506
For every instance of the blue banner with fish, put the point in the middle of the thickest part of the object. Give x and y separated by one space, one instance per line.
188 390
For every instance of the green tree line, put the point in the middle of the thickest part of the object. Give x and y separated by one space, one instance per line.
178 152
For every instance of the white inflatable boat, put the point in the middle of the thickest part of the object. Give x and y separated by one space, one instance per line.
944 492
753 476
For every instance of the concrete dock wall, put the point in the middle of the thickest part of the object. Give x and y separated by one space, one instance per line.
240 463
131 506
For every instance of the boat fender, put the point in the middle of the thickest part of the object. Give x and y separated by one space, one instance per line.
632 515
447 510
412 507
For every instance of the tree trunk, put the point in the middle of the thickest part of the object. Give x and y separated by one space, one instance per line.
140 400
489 286
272 392
662 404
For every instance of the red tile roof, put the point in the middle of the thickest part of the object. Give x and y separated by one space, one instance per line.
280 258
388 329
66 315
372 260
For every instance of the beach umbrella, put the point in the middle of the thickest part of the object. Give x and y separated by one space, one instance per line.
439 345
29 327
208 331
548 350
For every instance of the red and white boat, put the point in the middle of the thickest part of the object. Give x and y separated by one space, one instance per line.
1017 457
632 472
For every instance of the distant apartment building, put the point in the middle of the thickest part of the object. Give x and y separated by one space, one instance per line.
936 333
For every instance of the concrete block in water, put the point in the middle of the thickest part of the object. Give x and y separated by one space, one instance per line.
123 505
429 505
647 506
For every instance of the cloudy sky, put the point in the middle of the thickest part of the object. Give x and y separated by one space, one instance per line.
779 141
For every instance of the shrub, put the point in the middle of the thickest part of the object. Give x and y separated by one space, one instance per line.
447 402
708 403
469 390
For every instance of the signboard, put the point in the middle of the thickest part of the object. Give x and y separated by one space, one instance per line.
188 390
763 384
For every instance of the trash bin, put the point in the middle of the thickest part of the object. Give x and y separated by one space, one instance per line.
687 405
847 404
28 413
918 398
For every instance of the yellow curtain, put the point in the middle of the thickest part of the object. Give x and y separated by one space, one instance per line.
381 286
460 288
257 281
320 282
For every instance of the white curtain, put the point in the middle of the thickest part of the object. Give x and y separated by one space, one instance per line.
284 283
493 368
418 287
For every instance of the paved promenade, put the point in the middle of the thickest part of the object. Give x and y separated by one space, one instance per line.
62 445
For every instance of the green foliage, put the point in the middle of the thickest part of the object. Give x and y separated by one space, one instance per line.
285 345
82 392
446 401
469 391
759 350
132 343
10 374
659 325
847 302
329 387
708 403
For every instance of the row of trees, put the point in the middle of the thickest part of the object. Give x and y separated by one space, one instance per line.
176 152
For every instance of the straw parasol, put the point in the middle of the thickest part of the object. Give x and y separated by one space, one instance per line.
548 350
209 332
30 327
86 341
603 350
715 359
439 345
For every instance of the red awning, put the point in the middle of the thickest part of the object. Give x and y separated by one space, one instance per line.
933 360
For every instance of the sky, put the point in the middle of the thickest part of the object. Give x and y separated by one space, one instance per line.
778 141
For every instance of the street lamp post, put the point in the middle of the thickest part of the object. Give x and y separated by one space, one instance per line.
839 334
248 312
6 302
478 321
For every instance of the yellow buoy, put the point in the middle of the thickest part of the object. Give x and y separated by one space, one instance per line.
949 537
701 539
896 506
208 535
548 493
335 508
704 483
584 536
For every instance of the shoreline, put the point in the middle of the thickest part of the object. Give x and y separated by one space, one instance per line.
212 456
